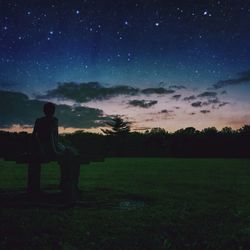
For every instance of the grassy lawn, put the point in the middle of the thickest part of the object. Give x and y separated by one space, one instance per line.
182 204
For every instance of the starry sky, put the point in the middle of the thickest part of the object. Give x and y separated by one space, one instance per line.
169 64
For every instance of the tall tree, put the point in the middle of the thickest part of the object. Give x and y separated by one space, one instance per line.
118 126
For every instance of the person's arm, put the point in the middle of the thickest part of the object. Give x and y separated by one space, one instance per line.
34 133
35 129
35 144
58 148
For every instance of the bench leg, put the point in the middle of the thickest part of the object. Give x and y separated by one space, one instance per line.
34 174
69 180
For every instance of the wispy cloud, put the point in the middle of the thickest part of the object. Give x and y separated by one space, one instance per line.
215 103
142 103
177 87
189 98
166 111
205 111
197 104
244 78
17 108
85 92
207 94
223 104
211 101
160 91
176 97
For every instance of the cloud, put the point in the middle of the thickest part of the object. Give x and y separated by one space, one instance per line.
189 98
167 114
165 111
160 91
196 104
223 104
205 111
142 103
244 78
177 87
85 92
214 102
176 97
207 94
211 101
17 108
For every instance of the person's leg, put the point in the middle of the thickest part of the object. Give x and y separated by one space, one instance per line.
70 169
34 174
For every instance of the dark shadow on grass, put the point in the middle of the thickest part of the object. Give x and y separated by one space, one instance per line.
100 198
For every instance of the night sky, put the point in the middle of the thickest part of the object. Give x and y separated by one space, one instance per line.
169 64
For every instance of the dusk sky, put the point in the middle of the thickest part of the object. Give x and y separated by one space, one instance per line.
159 63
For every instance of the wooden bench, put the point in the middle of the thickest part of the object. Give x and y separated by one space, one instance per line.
33 177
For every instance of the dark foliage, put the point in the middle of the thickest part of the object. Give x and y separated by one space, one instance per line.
187 142
118 126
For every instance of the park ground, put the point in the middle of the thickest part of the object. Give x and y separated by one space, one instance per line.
133 203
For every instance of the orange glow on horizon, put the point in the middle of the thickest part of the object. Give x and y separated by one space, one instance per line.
137 128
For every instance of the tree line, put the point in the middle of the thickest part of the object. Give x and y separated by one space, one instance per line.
119 141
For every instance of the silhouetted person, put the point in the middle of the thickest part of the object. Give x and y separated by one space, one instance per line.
46 147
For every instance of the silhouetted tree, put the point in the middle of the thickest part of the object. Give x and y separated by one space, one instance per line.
159 131
211 131
227 131
245 130
187 131
118 126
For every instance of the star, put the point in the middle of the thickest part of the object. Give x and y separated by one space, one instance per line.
51 32
157 24
205 13
5 27
77 12
126 22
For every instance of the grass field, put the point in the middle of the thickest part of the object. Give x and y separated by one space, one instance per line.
136 203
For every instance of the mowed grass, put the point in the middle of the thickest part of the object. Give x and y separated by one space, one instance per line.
189 204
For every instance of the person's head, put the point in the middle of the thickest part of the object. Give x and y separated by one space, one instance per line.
49 109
